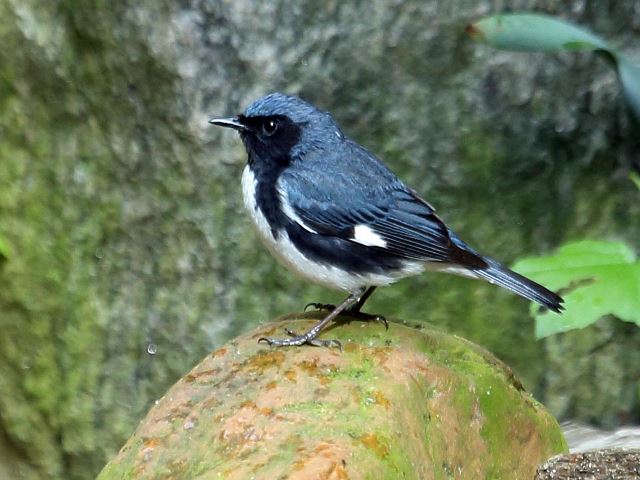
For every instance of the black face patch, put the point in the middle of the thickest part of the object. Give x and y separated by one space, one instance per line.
269 138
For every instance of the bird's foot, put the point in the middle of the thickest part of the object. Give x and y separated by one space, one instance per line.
367 317
353 312
320 306
296 340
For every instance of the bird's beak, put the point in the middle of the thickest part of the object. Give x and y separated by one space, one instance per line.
232 122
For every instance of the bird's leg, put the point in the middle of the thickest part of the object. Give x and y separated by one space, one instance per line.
354 311
310 336
319 306
360 302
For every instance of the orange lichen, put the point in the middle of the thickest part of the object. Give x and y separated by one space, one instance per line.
264 360
219 352
323 462
380 399
312 368
372 442
151 442
197 375
248 404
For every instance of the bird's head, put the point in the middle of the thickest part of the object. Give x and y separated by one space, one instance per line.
279 127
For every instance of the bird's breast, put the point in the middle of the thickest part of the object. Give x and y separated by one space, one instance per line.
249 189
274 236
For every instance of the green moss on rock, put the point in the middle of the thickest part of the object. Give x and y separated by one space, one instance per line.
403 403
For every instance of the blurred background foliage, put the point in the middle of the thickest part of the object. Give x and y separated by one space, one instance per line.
120 210
530 32
596 279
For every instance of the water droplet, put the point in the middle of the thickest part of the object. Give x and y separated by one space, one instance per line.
26 364
99 253
152 349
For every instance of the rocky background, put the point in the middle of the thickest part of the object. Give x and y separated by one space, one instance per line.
128 256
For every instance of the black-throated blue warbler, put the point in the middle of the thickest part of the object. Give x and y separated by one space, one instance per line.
332 212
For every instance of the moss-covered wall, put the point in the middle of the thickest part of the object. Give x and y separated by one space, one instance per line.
121 208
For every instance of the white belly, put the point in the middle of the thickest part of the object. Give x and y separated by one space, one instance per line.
289 256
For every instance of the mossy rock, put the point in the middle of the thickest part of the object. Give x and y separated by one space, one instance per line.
410 402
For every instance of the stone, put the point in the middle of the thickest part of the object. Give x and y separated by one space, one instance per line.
412 402
604 464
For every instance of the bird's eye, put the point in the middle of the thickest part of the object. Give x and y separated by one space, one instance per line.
269 127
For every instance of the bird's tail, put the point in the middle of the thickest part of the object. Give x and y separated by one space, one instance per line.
502 276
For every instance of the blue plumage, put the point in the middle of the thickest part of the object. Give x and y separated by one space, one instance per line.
331 211
408 225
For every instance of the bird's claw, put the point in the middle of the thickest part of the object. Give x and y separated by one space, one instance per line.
381 319
319 306
367 317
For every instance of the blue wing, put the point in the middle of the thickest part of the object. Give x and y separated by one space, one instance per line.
365 196
395 217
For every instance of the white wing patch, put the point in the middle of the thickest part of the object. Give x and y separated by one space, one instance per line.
364 235
289 212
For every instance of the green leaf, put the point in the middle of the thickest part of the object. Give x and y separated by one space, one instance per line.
533 33
629 75
527 32
596 279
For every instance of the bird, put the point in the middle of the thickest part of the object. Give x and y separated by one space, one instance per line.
330 211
